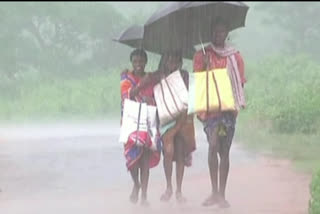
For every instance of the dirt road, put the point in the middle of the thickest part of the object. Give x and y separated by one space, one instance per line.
80 169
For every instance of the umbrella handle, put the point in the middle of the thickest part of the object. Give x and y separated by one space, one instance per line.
202 46
203 50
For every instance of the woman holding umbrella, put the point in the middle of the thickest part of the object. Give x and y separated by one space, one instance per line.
178 137
220 126
187 24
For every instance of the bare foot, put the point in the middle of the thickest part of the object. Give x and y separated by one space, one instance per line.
180 198
224 204
145 203
135 194
211 200
166 196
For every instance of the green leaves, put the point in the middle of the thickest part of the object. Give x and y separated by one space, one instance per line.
284 89
52 98
301 22
53 37
314 203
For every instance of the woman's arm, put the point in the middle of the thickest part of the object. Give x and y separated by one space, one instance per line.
150 78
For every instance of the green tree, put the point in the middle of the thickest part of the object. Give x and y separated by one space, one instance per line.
58 37
300 21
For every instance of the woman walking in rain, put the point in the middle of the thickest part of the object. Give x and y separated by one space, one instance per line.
139 159
220 127
178 137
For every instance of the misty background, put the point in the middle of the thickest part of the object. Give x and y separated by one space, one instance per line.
58 62
60 106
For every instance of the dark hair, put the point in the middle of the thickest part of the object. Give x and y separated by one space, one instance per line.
165 57
220 21
138 52
177 53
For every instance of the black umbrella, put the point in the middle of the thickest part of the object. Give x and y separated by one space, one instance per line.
133 37
183 24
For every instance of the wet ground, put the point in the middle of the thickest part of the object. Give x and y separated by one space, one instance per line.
80 168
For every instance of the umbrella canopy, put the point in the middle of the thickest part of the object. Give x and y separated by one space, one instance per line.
182 24
133 37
